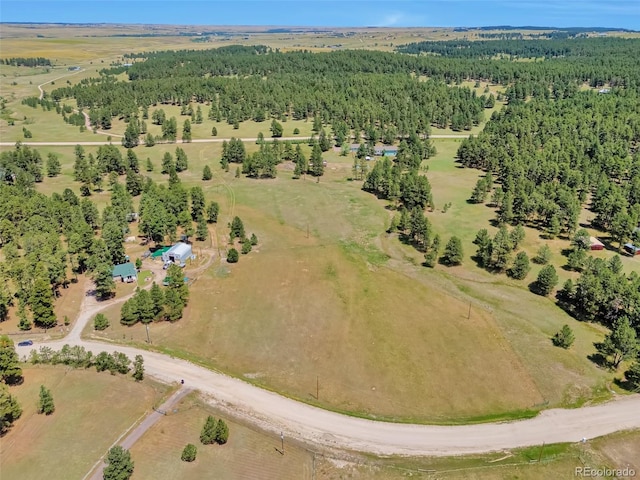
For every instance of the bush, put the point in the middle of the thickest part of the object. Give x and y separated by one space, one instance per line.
101 322
564 338
296 131
232 256
189 453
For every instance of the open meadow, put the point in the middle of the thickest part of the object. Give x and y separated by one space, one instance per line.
92 410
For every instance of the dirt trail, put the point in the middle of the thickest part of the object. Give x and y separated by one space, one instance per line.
199 140
134 435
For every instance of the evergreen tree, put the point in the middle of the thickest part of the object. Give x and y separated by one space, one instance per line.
206 173
213 209
317 164
197 203
453 253
621 344
232 255
119 464
149 165
208 432
45 402
138 368
10 371
100 322
276 129
254 239
246 246
564 338
41 301
105 286
237 228
189 453
53 165
546 281
10 409
157 298
202 232
543 256
222 432
182 162
520 267
633 375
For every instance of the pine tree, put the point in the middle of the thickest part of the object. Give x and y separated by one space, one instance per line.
138 368
547 280
520 267
453 253
212 212
45 403
564 338
232 255
10 371
119 464
208 432
202 232
157 298
100 322
10 409
189 453
317 165
206 173
41 302
222 432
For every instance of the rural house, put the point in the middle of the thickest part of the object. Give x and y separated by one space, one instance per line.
179 254
125 271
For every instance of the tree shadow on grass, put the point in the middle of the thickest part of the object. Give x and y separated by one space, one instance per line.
626 385
600 360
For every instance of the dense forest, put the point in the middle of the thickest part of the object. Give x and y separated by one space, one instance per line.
551 155
360 89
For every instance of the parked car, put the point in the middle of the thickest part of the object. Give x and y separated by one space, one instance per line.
25 343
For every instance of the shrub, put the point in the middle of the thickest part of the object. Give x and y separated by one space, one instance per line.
564 338
189 453
101 322
232 256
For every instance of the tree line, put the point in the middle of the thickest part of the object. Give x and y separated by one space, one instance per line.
26 61
550 156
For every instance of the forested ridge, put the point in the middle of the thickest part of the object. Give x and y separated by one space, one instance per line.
551 155
243 83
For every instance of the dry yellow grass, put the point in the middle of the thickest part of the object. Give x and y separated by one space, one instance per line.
92 411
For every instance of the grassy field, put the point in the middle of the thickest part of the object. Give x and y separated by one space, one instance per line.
92 411
247 454
284 314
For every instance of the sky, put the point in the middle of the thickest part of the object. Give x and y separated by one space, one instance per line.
346 13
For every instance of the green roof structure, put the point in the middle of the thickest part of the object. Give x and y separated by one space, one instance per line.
124 270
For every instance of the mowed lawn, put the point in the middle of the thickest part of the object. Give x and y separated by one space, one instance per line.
247 454
92 411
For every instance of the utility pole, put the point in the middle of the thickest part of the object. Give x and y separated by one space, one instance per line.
469 314
317 387
541 450
282 442
148 339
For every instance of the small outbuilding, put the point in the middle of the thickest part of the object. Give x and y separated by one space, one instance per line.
179 254
632 249
595 244
126 272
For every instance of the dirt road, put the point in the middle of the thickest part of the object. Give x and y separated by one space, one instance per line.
199 140
276 413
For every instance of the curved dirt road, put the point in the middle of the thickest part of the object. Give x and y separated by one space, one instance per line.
276 413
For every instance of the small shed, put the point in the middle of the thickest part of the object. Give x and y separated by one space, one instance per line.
179 254
125 271
632 249
595 244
